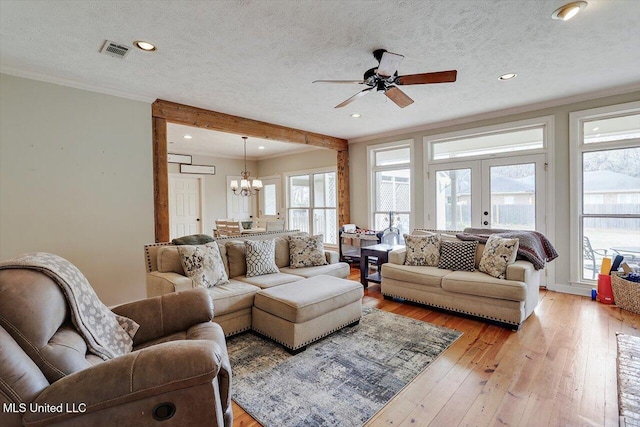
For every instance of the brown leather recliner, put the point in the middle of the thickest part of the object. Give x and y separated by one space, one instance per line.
178 373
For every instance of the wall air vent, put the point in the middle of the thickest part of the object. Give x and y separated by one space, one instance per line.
115 49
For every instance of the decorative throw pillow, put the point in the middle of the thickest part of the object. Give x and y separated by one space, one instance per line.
306 251
194 239
457 255
261 257
422 250
203 265
497 255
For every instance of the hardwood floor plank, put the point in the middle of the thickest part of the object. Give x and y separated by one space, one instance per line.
558 370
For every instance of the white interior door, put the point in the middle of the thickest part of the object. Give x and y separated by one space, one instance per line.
185 206
238 207
270 198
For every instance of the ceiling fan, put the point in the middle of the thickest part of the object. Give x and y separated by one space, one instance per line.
385 77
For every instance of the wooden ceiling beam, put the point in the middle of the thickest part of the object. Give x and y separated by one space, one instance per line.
192 116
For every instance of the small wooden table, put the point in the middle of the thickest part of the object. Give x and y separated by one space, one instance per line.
381 252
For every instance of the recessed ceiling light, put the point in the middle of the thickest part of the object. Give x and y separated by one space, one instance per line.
355 115
146 46
596 128
507 76
569 10
188 137
261 148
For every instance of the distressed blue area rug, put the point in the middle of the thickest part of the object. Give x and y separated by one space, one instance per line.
341 380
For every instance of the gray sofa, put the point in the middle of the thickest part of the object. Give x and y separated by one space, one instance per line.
233 301
506 301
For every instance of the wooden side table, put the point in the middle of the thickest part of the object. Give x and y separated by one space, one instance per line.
381 252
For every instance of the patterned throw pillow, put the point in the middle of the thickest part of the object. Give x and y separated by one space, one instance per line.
306 251
497 255
422 250
203 265
457 255
261 257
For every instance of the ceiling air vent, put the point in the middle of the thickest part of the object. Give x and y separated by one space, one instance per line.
114 49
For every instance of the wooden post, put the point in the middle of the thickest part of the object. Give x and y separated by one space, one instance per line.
344 208
160 180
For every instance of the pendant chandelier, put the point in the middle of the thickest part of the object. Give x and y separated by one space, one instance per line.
247 187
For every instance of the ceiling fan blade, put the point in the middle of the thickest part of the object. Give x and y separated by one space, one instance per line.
339 81
399 97
425 78
389 64
354 97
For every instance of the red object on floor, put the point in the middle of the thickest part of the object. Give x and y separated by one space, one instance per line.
605 293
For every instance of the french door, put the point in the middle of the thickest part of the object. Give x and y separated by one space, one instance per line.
270 207
504 193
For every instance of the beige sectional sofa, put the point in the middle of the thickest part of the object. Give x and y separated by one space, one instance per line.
233 301
506 301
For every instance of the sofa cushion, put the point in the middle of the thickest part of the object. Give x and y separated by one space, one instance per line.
339 269
232 296
261 257
497 255
457 255
269 280
282 251
203 265
236 257
483 285
306 251
422 250
168 260
423 275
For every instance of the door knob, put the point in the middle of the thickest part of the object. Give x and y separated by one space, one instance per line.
486 223
197 219
486 213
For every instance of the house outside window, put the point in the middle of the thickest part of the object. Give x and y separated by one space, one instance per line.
390 185
605 164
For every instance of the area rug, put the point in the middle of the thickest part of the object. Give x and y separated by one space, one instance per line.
341 380
628 369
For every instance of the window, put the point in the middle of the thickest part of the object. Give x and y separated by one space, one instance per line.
312 204
606 166
492 143
391 186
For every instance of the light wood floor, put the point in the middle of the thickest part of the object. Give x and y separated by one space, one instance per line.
558 370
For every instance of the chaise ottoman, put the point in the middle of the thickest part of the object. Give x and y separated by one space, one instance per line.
299 313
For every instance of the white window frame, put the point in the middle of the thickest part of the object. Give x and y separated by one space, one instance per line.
311 207
548 149
577 148
372 169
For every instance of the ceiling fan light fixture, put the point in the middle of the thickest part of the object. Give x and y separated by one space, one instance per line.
568 11
507 76
146 46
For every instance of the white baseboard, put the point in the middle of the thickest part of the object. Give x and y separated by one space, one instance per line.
569 289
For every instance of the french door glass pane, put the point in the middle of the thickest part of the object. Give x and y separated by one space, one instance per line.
609 237
324 190
299 191
513 196
269 192
299 219
393 190
453 199
325 223
611 181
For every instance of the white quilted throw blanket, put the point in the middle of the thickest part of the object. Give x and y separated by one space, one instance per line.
107 335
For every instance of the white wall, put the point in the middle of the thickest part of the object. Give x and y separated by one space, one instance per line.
358 170
215 186
76 180
315 159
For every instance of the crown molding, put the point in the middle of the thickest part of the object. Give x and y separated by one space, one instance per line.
73 84
504 112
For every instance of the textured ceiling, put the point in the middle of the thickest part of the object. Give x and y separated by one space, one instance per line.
257 59
219 144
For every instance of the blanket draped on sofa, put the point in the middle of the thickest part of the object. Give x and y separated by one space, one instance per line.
534 246
107 334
